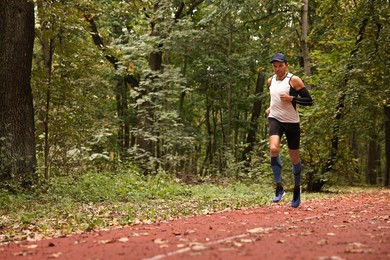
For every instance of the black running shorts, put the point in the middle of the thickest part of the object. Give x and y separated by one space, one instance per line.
292 131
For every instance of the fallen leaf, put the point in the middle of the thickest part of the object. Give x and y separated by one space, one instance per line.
322 242
226 249
123 239
236 244
135 234
357 247
160 241
105 241
187 232
55 255
307 233
339 226
383 227
24 253
30 246
246 240
197 246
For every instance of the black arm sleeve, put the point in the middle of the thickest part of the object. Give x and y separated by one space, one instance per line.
304 97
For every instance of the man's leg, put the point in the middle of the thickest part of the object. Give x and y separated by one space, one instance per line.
296 170
293 139
276 166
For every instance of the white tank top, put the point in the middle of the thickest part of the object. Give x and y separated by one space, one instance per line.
285 112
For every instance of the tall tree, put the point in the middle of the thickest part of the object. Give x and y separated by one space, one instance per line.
304 32
47 42
256 112
17 141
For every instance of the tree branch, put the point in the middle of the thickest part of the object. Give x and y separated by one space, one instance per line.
180 14
112 59
99 41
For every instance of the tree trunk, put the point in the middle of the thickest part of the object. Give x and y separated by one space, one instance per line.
208 159
119 109
123 139
229 86
17 140
256 111
355 155
387 143
305 29
214 145
372 162
126 130
183 93
48 51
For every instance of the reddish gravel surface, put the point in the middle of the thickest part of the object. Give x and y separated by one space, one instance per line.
344 227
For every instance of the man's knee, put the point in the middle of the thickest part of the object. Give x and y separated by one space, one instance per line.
274 150
294 155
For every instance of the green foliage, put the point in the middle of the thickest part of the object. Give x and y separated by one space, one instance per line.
97 187
194 112
348 60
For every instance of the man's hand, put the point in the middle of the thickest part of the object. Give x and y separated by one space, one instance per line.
267 112
286 98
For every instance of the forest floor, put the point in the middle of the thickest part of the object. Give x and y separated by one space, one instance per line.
350 226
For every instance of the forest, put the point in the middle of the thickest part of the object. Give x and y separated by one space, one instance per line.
179 86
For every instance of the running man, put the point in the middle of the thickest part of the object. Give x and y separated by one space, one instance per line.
286 91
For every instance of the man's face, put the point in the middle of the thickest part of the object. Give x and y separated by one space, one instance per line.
280 68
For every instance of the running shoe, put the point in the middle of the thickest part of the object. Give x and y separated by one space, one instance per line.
279 193
296 201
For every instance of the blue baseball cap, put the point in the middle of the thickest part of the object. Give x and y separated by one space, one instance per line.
279 57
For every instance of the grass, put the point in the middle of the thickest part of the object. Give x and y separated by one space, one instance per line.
98 201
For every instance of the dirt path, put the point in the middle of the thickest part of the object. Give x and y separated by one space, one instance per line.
345 227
